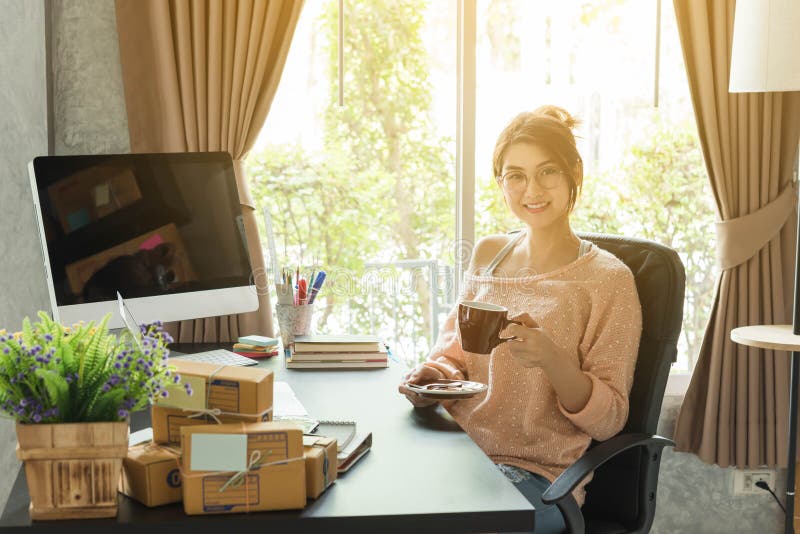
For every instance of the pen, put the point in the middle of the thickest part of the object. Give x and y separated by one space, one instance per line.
311 280
316 286
301 291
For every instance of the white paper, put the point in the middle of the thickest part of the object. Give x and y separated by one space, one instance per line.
219 452
140 436
102 194
285 402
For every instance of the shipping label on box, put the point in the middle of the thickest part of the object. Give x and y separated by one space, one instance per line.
228 389
265 468
320 459
151 474
167 422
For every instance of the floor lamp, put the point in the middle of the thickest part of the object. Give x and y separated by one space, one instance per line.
765 57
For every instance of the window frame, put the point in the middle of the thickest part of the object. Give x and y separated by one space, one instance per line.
677 383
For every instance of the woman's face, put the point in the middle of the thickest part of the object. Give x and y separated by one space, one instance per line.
544 201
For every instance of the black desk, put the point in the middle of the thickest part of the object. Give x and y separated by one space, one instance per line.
423 473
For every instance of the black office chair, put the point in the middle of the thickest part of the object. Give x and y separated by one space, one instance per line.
622 495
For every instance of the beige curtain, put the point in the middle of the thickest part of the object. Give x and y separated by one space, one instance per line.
736 408
199 76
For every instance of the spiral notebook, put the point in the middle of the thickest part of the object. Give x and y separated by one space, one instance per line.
343 431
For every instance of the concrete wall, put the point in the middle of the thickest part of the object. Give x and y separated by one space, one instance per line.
694 497
88 97
89 117
23 136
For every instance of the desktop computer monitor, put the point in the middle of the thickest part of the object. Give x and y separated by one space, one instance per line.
163 230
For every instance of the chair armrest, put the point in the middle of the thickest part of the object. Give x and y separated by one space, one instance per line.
594 458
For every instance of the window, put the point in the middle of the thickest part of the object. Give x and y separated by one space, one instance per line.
367 190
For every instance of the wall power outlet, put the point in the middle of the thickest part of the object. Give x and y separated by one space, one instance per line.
744 481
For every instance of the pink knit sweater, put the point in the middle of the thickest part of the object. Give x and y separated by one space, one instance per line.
590 308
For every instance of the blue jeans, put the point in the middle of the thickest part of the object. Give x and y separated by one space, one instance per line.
548 517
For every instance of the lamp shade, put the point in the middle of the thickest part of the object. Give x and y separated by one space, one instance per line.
765 54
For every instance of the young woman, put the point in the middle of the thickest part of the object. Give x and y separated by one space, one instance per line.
566 379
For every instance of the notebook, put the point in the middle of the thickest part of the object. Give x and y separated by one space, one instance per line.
380 354
339 364
358 447
343 431
343 343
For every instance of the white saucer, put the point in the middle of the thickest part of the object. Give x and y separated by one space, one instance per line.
460 389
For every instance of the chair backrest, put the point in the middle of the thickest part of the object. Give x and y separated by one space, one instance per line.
621 490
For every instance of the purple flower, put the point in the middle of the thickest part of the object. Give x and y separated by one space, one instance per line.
37 418
176 378
188 388
48 337
106 388
117 365
122 413
165 394
6 350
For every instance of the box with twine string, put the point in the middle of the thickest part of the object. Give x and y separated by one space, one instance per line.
233 468
219 395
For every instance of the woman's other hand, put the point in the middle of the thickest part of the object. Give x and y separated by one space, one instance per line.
533 347
421 374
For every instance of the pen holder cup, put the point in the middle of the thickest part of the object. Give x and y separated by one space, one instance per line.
294 321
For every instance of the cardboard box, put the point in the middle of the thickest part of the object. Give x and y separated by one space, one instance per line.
277 482
321 464
233 389
167 422
239 394
151 474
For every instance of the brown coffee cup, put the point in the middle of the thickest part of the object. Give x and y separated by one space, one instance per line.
480 324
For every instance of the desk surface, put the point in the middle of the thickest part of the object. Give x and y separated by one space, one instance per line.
423 472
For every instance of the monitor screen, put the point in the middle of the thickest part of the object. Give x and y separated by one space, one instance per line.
144 225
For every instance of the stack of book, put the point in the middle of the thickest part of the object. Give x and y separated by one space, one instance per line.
343 352
256 346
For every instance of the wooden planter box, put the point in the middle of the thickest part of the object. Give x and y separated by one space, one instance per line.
72 469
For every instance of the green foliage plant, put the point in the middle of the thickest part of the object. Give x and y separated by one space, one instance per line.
50 373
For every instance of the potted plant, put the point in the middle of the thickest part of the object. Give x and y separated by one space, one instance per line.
71 391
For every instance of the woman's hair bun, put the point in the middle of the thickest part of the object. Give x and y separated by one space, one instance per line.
560 114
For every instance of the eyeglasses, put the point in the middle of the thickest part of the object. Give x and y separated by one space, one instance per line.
517 181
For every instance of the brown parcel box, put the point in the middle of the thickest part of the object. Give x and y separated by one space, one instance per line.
151 475
244 391
321 464
279 486
167 422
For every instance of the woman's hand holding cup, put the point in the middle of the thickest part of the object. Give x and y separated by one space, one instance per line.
532 346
